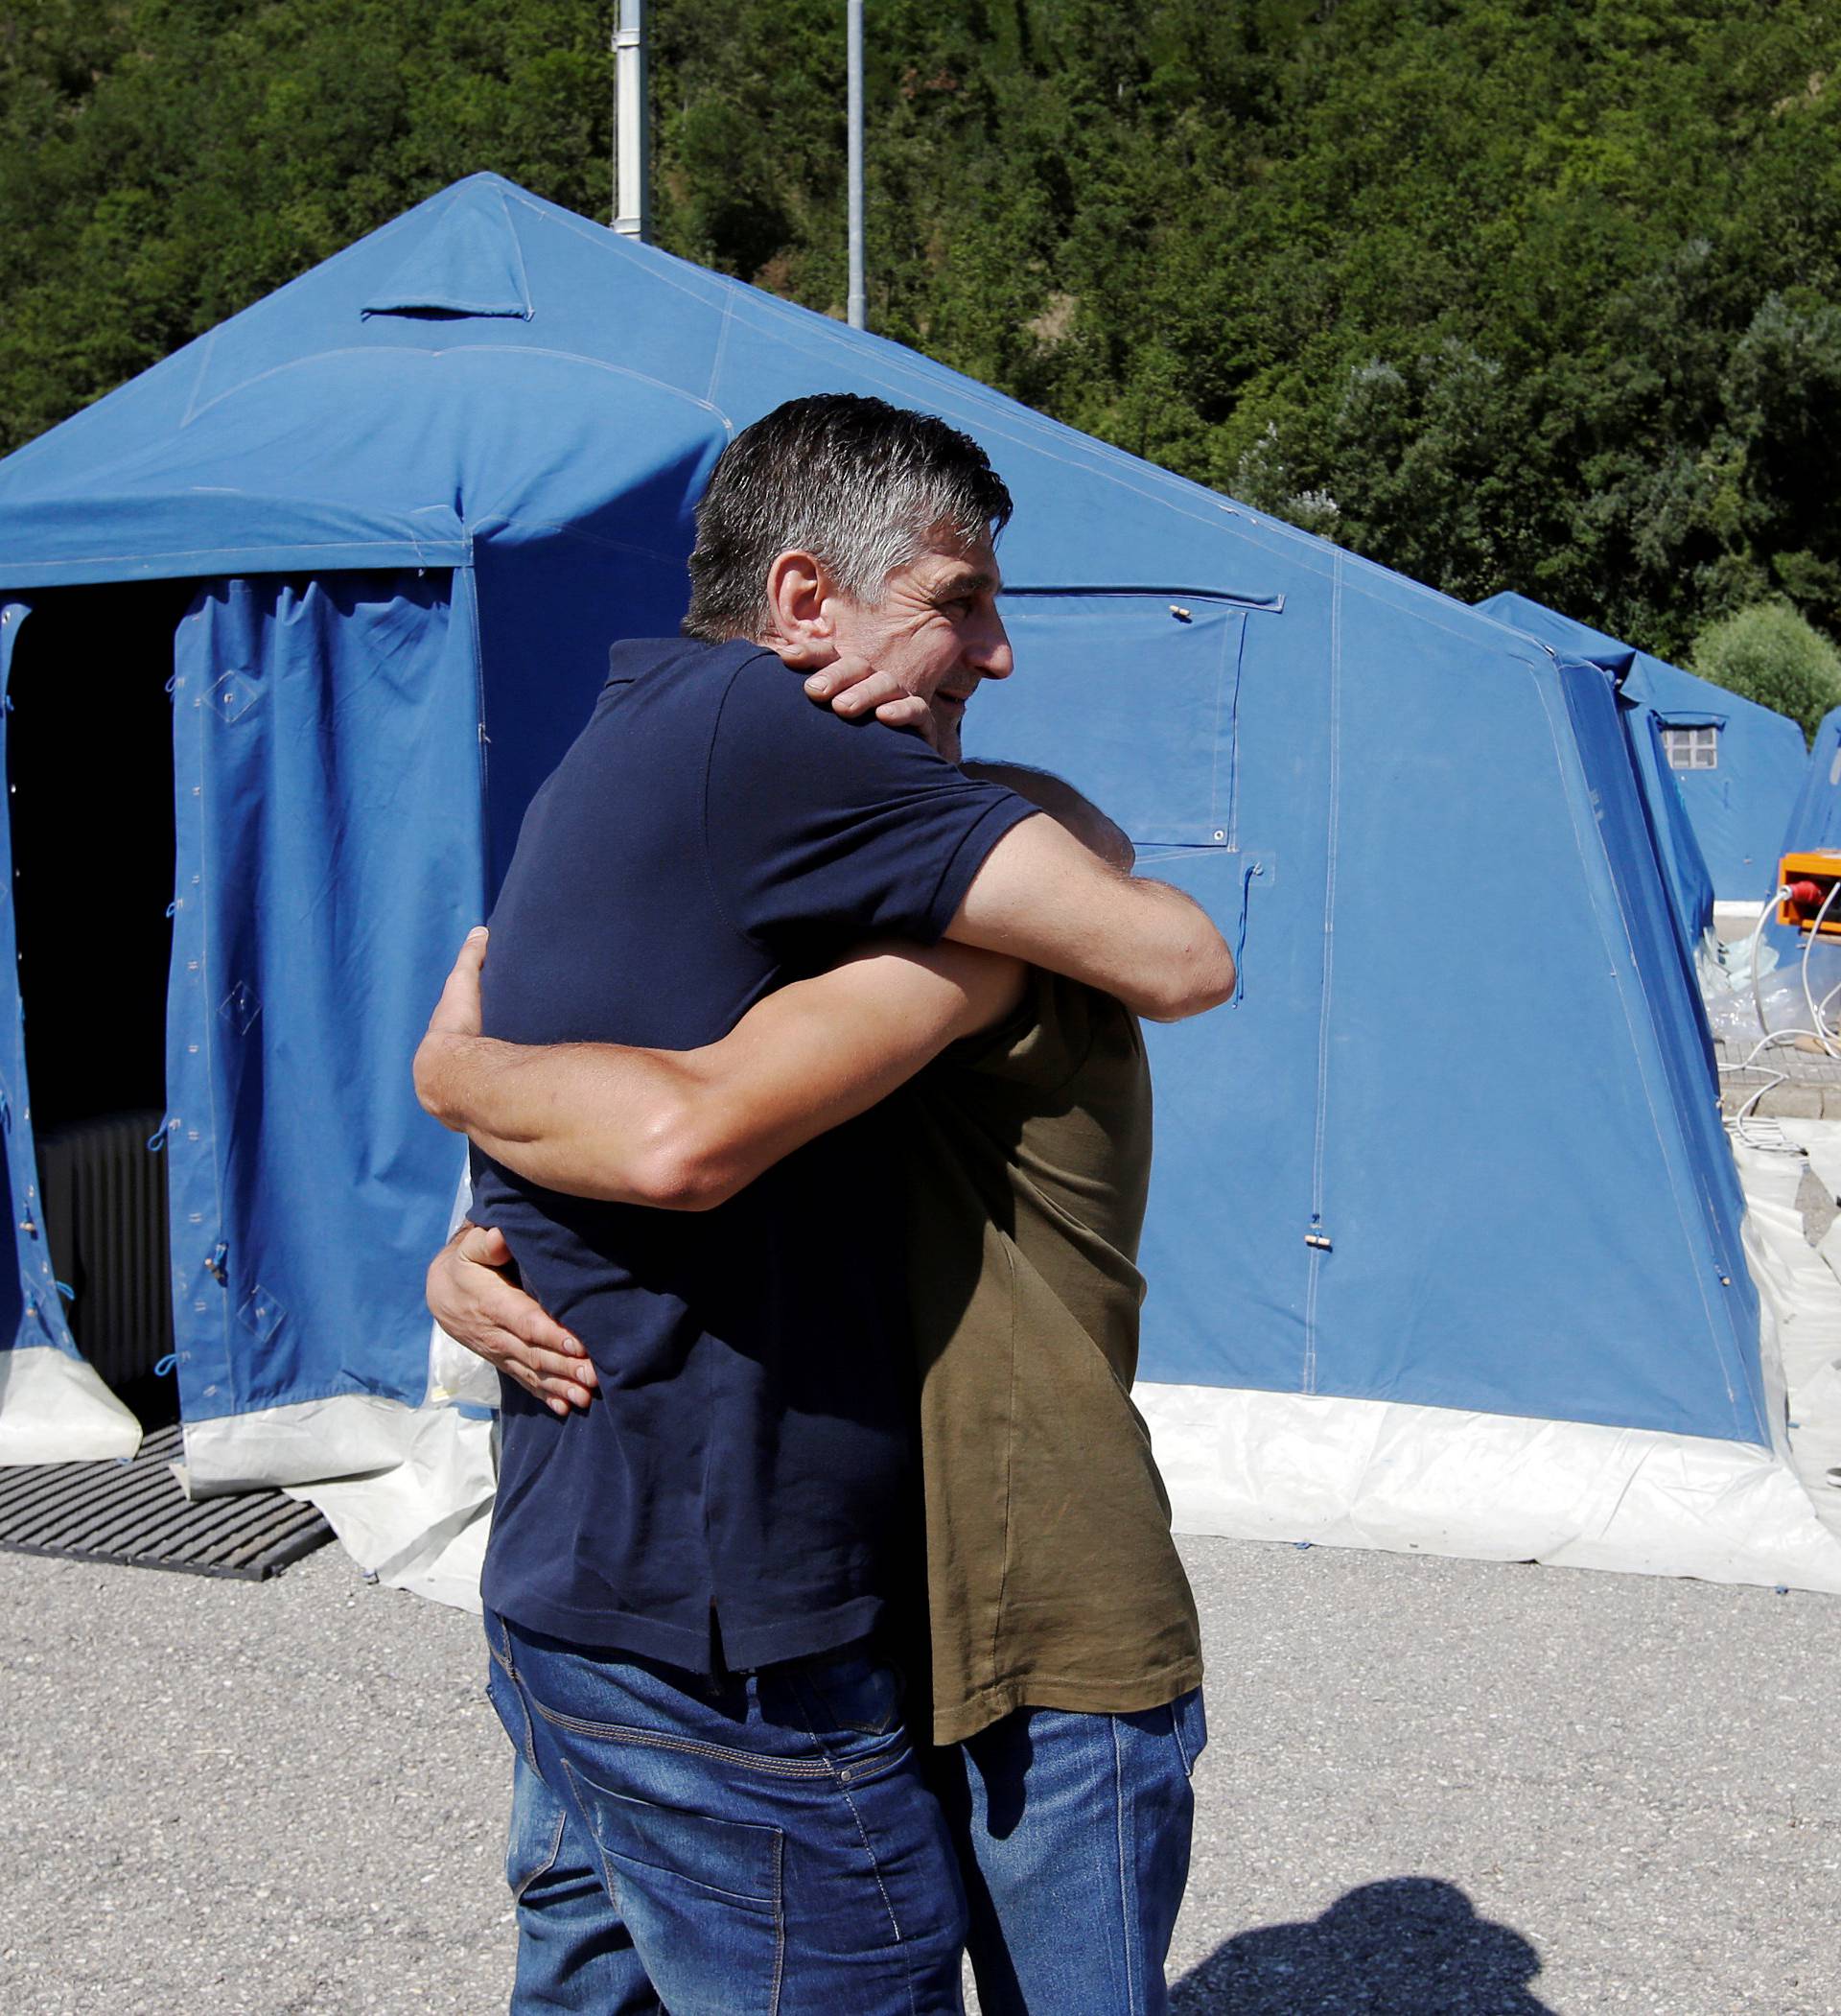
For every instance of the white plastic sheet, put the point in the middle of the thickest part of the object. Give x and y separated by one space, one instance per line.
55 1408
422 1525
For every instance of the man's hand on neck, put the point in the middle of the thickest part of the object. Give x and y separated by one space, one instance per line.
852 688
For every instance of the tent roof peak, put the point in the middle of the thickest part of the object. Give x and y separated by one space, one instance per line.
467 262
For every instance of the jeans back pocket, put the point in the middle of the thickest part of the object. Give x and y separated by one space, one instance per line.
700 1895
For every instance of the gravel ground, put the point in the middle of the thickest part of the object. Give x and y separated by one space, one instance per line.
1434 1789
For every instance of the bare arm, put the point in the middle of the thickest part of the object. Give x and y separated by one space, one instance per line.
684 1130
1045 897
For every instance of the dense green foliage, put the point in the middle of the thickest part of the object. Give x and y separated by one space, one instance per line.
1773 656
1532 293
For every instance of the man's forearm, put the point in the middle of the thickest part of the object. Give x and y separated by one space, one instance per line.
684 1130
1042 896
587 1119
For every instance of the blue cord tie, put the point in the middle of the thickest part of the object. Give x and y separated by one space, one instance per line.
165 1364
64 1289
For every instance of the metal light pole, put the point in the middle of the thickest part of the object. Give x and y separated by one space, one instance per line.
856 306
632 148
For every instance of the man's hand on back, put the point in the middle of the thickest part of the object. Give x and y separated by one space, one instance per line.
471 1296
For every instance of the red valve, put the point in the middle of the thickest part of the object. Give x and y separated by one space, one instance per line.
1807 896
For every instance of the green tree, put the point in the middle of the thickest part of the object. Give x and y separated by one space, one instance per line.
1773 656
1505 294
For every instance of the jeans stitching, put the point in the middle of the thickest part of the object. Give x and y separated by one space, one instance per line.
613 1732
779 1921
1132 1998
1182 1748
580 1787
523 1706
610 1879
798 1693
888 1903
543 1869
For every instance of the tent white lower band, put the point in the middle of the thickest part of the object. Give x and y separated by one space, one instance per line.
408 1489
1487 1486
55 1408
298 1444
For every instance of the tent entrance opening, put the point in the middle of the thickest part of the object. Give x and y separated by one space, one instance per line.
89 767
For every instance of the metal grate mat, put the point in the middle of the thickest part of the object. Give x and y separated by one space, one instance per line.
135 1512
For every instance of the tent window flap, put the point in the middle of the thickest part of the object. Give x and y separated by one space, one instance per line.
1104 676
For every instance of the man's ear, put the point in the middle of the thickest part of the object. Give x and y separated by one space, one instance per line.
799 606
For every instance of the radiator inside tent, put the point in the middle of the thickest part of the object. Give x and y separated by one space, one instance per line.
89 765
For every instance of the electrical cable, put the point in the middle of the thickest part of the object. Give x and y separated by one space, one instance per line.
1808 995
1776 1036
1753 943
1735 1122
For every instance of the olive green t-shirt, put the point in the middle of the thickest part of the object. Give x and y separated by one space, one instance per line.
1052 1579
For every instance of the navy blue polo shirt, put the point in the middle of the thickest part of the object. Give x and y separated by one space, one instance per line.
739 1487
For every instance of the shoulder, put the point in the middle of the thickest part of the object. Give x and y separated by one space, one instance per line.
679 663
760 691
767 718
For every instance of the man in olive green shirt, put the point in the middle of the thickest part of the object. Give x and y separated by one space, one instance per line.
1051 1577
1065 1662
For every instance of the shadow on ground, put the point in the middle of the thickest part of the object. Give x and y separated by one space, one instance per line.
1411 1946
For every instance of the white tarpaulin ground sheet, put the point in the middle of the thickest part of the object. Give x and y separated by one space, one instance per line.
408 1489
1361 1474
423 1525
55 1408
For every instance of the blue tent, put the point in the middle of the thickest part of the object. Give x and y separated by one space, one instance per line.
1814 824
1735 779
1815 817
1448 1169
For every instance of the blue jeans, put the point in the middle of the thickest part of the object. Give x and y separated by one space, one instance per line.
758 1845
1073 1832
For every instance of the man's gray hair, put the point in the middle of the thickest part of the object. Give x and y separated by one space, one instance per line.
861 485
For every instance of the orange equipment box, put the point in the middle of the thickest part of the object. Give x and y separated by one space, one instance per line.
1811 879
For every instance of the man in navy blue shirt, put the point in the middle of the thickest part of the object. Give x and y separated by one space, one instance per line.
717 1808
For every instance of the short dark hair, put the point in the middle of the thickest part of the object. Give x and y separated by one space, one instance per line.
858 483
